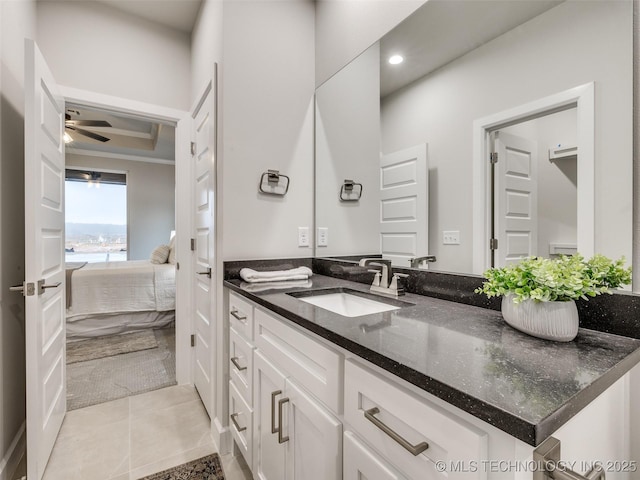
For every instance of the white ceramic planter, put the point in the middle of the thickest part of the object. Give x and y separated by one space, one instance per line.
556 321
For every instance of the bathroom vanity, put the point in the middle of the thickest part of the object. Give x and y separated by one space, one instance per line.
429 389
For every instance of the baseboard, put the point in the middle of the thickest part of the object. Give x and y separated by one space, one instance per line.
221 436
14 454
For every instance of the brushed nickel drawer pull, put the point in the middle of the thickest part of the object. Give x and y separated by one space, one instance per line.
281 439
235 423
234 360
273 411
234 314
412 449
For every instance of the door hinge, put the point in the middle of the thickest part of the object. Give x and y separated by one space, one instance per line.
493 157
493 244
177 265
193 244
193 340
193 148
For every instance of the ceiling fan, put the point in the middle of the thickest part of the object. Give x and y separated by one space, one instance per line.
73 125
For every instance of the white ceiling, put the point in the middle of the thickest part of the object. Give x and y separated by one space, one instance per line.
178 14
442 30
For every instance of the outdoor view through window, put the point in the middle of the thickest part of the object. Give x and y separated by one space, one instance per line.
95 217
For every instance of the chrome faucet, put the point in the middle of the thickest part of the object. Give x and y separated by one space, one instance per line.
416 262
385 281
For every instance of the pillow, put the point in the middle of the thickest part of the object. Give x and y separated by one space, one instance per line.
160 254
172 251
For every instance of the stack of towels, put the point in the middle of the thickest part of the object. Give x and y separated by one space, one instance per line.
294 277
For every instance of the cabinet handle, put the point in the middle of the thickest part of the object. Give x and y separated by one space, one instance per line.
281 402
235 423
413 449
273 410
234 314
234 360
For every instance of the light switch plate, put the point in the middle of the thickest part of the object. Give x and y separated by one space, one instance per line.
451 237
303 236
323 237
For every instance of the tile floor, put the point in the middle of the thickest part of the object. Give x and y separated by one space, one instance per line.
132 437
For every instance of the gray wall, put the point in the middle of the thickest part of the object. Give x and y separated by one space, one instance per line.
91 46
150 200
267 86
17 21
441 107
348 147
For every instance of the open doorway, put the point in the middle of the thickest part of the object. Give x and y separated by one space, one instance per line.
578 102
120 255
535 188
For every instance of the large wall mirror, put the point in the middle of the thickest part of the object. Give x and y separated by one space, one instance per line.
403 149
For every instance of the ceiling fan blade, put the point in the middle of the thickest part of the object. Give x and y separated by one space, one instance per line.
89 134
90 123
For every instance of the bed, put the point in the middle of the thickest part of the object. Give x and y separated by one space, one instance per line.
108 298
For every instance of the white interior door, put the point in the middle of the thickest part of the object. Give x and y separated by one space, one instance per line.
404 199
203 155
44 261
516 191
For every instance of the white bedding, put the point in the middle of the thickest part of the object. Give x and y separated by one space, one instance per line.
120 287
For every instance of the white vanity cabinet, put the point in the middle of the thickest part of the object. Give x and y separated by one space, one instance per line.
413 433
240 317
297 387
310 410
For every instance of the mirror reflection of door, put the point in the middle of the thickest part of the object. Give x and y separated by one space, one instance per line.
535 188
404 198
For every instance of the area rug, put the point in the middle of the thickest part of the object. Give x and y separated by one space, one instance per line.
118 376
93 348
205 468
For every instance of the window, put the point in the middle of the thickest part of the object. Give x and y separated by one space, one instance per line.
95 216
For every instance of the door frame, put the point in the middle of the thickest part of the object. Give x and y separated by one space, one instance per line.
583 99
181 119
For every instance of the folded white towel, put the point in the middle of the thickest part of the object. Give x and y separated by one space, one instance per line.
253 276
262 286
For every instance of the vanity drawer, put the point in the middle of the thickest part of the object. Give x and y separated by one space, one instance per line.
414 419
360 462
241 365
317 368
241 423
241 316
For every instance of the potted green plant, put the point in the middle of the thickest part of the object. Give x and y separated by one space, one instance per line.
539 293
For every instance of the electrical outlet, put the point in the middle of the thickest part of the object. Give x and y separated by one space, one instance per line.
303 236
323 237
451 237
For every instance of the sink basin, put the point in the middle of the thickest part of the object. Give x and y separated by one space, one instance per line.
349 303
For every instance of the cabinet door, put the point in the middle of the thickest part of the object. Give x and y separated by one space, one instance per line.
268 453
314 445
361 462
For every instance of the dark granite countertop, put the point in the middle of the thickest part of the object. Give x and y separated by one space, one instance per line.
468 356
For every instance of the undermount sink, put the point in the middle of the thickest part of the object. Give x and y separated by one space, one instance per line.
349 303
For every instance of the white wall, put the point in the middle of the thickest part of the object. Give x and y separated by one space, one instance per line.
91 46
557 180
17 21
441 107
206 45
348 147
267 117
150 200
345 28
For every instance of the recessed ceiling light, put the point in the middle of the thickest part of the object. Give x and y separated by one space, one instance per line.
395 59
